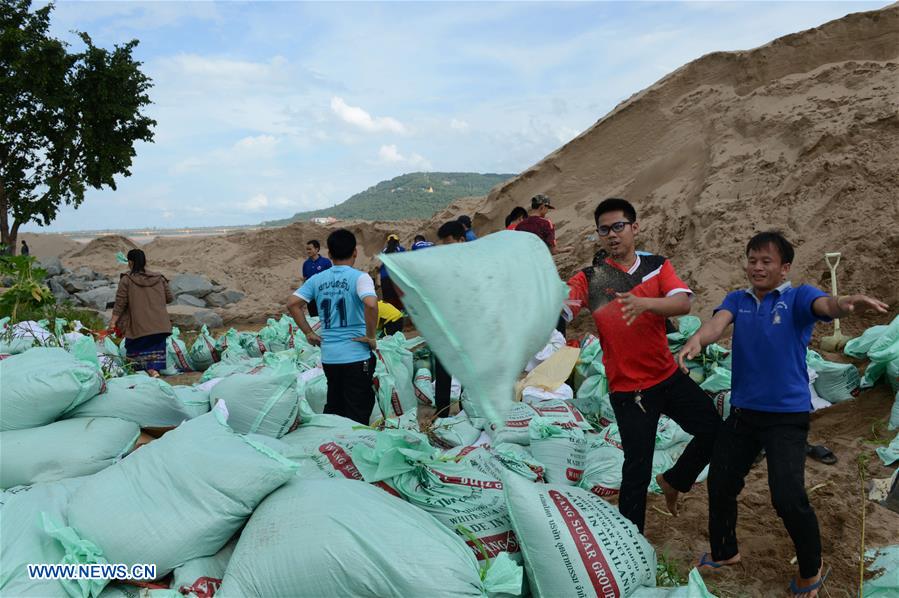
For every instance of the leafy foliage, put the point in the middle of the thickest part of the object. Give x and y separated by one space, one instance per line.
27 291
418 195
68 121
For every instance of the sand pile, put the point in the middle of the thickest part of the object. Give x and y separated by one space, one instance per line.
103 247
801 135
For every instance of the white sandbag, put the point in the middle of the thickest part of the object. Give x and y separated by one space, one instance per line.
346 551
148 402
180 497
556 342
65 449
576 544
561 449
43 383
507 274
535 394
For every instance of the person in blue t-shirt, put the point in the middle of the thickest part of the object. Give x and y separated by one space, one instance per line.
770 401
469 233
419 242
348 306
314 264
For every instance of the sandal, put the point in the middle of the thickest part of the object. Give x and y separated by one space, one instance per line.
808 591
820 453
705 561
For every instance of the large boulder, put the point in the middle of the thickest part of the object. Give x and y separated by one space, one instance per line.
97 298
86 273
186 299
73 283
61 294
224 298
190 284
188 317
52 265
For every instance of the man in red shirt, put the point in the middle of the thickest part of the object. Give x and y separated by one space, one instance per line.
630 296
537 223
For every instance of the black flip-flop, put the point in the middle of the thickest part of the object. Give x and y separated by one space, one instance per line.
820 453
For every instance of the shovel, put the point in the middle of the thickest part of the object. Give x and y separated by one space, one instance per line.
837 341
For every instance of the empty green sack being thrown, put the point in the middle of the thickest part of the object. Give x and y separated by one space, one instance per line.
485 308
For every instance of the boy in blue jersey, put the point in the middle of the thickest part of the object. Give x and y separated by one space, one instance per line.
770 401
314 264
348 309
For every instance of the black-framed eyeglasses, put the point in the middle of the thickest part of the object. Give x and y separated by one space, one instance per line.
615 226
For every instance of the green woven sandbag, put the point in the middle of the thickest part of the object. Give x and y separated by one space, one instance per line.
575 543
202 577
338 538
836 382
463 499
562 450
39 385
177 359
264 400
64 449
478 330
203 353
177 498
858 347
148 402
886 347
25 542
717 381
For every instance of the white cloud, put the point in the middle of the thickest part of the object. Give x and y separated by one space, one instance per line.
259 143
360 118
257 203
391 155
459 125
261 202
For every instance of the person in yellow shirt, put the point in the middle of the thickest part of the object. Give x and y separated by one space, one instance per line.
390 319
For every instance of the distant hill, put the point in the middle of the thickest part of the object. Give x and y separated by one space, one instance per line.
417 195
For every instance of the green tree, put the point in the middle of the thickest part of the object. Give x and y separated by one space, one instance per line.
68 120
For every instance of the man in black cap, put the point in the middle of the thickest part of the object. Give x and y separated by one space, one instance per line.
537 222
465 221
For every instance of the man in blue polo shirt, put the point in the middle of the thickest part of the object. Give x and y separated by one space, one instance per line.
770 401
348 306
314 264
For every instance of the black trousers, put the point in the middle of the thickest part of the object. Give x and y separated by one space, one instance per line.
350 392
783 436
443 385
682 400
312 306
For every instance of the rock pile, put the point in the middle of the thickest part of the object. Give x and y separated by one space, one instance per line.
194 294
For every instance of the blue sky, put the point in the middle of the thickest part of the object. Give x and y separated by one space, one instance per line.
269 108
